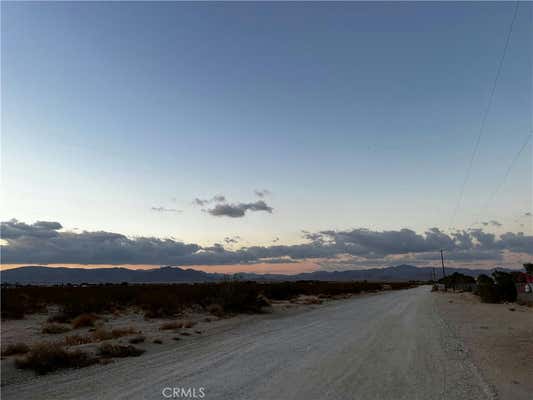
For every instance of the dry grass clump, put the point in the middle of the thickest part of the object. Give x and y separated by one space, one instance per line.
177 324
74 340
84 320
59 317
117 350
215 309
137 339
170 325
188 324
48 357
16 348
101 333
119 332
54 328
170 300
310 300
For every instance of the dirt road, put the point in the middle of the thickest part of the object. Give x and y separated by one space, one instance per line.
392 345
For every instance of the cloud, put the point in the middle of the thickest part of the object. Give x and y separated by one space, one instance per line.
164 209
238 210
262 193
215 199
232 239
200 202
491 222
44 242
14 229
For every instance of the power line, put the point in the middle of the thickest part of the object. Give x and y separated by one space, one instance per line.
505 176
485 115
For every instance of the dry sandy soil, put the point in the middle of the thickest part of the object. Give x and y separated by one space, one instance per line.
408 344
202 324
498 338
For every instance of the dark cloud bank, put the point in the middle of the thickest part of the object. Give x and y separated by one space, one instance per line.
44 242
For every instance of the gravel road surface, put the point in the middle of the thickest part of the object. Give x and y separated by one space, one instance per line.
392 345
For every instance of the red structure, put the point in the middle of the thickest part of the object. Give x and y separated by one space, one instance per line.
524 286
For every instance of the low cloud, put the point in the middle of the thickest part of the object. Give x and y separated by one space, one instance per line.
164 209
492 223
44 242
215 199
262 193
232 239
14 229
238 210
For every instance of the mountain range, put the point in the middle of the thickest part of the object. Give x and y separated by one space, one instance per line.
59 275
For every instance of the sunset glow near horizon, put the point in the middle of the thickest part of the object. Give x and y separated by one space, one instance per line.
199 136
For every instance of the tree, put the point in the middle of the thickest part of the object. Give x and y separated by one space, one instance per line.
487 290
457 279
505 285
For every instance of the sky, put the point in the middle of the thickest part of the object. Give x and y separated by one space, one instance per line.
305 131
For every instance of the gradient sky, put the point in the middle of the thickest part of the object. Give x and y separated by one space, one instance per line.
351 115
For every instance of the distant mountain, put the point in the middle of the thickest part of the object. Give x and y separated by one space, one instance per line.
402 272
53 275
56 275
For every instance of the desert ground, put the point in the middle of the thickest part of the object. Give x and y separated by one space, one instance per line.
407 344
498 339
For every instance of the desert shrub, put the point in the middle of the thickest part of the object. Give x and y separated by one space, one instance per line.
16 304
119 332
74 340
166 326
215 309
137 339
239 297
84 320
59 317
102 333
188 324
48 357
16 348
117 350
170 300
54 328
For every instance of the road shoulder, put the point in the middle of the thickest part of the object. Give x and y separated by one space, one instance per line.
498 338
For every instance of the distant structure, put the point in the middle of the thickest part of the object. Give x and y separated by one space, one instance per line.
524 284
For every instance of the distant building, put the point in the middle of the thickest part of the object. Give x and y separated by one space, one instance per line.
524 287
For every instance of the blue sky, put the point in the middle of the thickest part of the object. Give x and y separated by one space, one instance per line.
351 115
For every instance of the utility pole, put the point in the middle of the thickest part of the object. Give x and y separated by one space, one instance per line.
442 260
